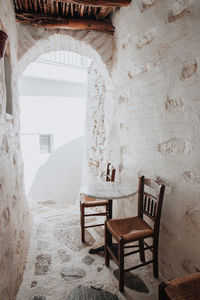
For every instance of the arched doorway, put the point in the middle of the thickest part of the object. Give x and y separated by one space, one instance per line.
53 92
99 48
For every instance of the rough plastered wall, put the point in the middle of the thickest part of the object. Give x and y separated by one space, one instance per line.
14 216
96 127
156 118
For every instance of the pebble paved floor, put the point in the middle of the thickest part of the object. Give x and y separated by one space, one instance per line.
59 267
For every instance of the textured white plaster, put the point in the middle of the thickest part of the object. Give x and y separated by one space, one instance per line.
95 127
175 145
174 105
157 108
145 4
192 177
14 216
189 69
138 70
146 39
178 9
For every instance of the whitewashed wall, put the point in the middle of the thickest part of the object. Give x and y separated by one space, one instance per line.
14 216
147 121
156 124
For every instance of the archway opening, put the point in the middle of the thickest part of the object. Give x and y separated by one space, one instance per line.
53 92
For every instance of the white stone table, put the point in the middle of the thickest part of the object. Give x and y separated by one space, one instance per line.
107 191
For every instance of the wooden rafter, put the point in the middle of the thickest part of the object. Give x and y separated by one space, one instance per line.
99 3
51 22
68 14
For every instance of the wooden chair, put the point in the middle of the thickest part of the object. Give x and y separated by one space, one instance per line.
183 288
128 230
87 202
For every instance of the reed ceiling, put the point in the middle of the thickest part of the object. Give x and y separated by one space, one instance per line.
68 14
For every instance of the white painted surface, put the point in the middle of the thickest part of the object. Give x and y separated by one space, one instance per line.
15 219
155 122
108 190
54 175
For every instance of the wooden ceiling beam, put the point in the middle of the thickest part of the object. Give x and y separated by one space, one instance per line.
98 3
50 22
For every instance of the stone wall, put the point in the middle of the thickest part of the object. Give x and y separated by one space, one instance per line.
14 216
95 143
156 117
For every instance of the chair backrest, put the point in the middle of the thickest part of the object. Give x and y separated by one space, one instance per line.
110 173
150 199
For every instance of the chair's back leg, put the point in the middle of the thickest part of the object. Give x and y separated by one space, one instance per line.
121 264
110 205
107 242
82 211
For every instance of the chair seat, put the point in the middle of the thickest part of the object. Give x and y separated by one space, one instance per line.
184 288
130 229
89 202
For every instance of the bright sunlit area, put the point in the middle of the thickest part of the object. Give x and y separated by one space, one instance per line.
53 107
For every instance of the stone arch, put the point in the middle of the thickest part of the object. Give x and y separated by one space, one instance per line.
96 45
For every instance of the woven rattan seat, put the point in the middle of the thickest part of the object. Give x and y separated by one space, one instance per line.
89 202
130 229
182 288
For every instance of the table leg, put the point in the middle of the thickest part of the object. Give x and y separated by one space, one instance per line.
101 248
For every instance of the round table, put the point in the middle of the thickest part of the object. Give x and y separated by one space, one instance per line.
108 191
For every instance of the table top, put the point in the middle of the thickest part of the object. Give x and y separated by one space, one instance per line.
108 190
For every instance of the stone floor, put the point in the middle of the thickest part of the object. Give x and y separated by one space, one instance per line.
60 268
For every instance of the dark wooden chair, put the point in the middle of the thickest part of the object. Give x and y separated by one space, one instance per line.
128 230
87 202
183 288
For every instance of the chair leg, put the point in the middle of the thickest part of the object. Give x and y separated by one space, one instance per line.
161 291
110 205
121 264
155 260
82 212
106 253
142 254
107 212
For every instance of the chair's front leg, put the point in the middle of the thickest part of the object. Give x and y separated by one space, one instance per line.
155 258
141 247
121 264
82 211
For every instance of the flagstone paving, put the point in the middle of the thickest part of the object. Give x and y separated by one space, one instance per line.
59 267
